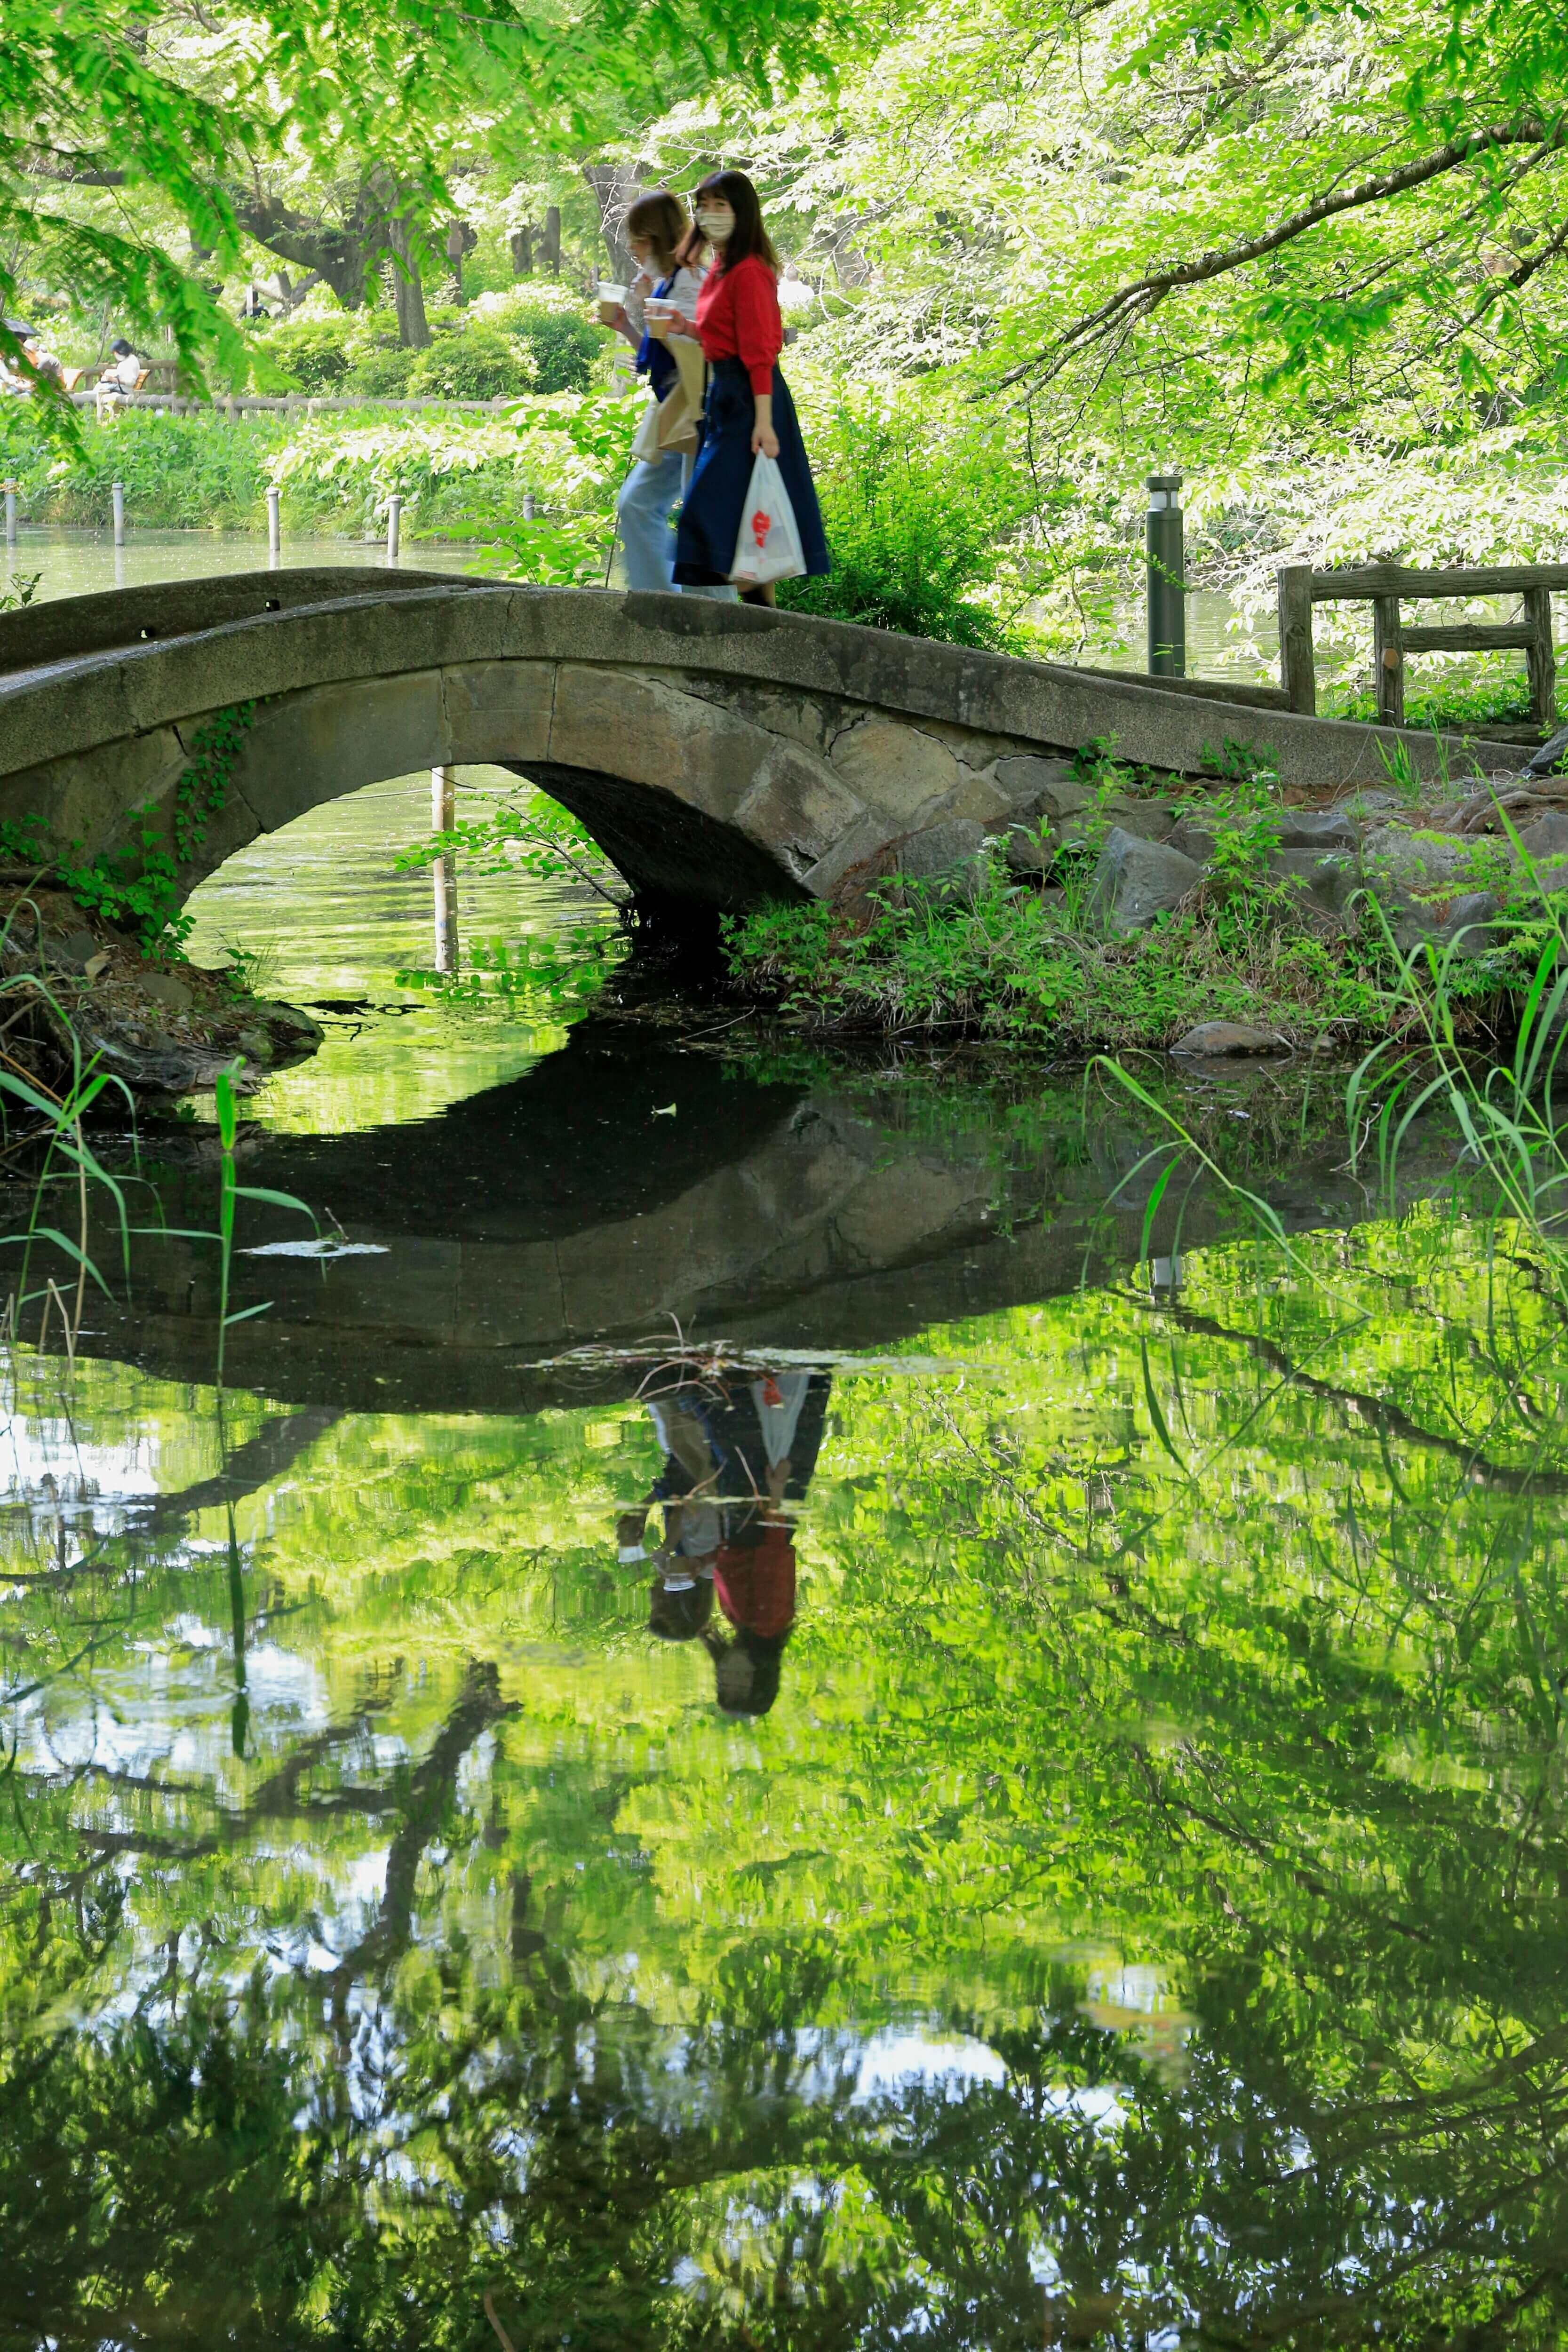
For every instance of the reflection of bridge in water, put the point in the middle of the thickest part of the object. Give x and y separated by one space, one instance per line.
559 1211
717 753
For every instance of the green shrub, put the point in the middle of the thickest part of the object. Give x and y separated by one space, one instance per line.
1491 695
563 348
547 318
477 362
465 475
313 353
383 371
912 535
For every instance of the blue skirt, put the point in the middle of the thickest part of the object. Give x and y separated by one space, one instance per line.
715 500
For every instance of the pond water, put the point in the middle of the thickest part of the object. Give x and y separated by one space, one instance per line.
782 1703
63 562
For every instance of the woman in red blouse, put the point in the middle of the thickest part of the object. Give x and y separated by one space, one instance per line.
748 410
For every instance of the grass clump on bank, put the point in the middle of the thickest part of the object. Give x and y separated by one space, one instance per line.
1011 963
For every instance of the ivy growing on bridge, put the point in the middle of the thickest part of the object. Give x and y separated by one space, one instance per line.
137 889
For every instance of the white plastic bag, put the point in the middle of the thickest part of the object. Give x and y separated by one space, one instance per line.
769 545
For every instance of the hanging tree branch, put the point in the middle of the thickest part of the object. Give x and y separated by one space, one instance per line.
1145 294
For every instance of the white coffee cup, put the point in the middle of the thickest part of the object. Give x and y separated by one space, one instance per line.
615 295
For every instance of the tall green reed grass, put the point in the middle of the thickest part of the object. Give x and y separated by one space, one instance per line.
54 1140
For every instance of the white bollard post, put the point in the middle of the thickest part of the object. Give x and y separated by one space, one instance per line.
274 527
444 873
11 514
116 491
393 525
530 507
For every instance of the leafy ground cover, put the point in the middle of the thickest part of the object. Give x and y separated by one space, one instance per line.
1012 963
1029 959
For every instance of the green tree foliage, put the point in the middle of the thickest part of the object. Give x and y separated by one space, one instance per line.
913 532
1309 257
186 119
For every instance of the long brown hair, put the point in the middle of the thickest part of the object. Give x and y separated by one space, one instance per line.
661 216
749 238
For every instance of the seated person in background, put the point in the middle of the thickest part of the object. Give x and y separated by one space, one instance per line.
122 376
46 367
14 377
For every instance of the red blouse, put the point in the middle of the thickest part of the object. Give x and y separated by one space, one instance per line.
756 1588
738 319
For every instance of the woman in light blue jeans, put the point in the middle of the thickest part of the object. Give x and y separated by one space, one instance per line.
656 226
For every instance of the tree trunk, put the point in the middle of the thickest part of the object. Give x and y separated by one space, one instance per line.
460 240
407 293
343 257
522 253
614 190
550 248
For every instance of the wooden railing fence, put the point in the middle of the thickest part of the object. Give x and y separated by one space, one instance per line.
1387 587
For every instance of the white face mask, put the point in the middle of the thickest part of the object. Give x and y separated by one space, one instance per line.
718 225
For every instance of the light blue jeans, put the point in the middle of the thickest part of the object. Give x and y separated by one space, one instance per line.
647 500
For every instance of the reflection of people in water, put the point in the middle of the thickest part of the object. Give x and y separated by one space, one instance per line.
738 1456
773 1430
681 1599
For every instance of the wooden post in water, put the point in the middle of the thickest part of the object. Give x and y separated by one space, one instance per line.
117 493
444 873
393 525
10 514
274 529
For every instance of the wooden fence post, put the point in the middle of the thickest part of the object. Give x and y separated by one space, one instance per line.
1388 660
1297 673
1539 658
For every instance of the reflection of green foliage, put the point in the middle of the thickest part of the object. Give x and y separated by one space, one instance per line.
1174 1710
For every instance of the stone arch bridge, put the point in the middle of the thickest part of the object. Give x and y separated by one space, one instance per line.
719 754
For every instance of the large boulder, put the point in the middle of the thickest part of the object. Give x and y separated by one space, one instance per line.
1425 865
1465 929
1547 837
1327 880
1320 829
1151 820
1036 788
948 856
1217 1037
1552 753
1193 839
1136 879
